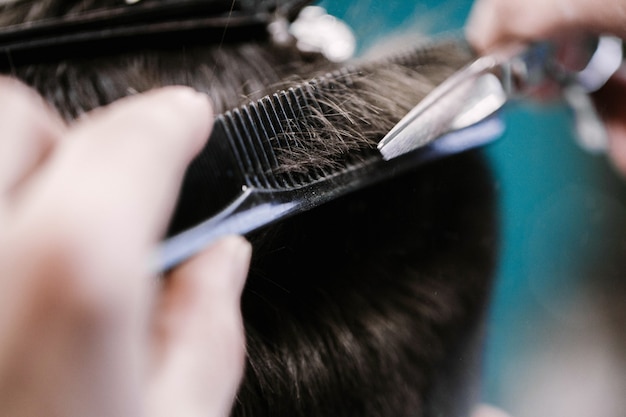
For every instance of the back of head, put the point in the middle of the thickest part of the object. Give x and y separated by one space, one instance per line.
371 305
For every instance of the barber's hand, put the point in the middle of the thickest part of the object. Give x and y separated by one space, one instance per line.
494 23
86 329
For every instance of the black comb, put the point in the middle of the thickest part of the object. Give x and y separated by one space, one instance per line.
239 182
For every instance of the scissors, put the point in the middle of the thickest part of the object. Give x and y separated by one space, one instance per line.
480 89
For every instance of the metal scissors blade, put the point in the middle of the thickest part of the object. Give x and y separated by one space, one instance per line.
484 86
470 95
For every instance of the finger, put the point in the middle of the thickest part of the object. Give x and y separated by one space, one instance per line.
495 22
485 410
30 130
610 103
84 226
200 334
114 181
138 151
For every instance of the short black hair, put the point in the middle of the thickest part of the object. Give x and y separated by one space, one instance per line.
371 305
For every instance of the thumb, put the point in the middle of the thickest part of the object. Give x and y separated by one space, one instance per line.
199 335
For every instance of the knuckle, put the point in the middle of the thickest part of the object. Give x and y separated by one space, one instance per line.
20 100
16 93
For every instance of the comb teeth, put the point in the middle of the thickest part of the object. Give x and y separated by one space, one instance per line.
265 133
258 131
293 138
289 139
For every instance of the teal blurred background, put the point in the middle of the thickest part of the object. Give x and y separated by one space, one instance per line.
557 322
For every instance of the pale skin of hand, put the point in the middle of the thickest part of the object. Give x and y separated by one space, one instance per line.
86 328
486 410
494 23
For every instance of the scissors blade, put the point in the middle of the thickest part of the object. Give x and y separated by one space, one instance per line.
471 95
477 91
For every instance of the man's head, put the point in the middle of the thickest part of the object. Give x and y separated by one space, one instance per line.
371 305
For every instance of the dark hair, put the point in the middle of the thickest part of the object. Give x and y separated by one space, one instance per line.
370 305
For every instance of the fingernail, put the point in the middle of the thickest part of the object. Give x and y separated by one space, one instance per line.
187 96
471 31
196 107
239 253
485 410
476 25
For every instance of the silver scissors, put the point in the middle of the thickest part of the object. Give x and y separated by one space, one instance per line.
484 86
